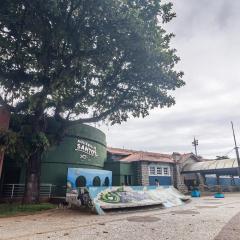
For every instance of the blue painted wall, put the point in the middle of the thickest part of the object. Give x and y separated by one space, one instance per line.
223 181
89 174
163 180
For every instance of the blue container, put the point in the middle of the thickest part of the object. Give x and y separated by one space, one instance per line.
219 195
195 193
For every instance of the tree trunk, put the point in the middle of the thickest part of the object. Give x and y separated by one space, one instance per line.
32 182
33 171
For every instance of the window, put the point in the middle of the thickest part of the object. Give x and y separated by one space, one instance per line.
127 180
159 171
166 171
152 170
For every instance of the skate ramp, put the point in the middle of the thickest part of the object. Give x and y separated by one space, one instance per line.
125 197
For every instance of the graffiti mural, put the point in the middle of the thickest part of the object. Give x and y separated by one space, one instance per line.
137 196
88 175
78 181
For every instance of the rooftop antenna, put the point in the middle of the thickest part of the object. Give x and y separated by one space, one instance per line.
195 144
236 149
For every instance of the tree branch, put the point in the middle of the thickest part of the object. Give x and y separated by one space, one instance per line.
100 117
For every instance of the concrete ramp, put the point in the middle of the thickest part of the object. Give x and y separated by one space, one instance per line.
126 197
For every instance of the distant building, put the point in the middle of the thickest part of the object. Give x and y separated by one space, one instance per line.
130 167
222 172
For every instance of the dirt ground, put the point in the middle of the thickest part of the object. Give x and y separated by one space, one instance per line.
203 218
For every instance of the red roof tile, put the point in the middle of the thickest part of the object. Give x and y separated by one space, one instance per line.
120 151
147 157
133 156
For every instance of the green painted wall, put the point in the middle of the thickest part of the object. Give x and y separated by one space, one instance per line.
115 168
125 169
119 170
59 158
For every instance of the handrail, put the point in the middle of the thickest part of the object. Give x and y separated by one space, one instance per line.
17 190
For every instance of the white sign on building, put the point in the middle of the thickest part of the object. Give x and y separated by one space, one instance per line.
86 149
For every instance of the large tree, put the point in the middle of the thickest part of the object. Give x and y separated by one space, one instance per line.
82 61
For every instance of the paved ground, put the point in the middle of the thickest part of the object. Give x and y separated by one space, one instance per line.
201 219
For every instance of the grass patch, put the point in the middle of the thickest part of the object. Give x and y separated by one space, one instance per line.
7 210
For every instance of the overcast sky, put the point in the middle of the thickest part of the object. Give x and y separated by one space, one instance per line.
208 42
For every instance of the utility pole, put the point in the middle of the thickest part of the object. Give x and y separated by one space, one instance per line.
236 149
195 144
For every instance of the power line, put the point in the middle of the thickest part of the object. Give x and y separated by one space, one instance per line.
221 154
228 152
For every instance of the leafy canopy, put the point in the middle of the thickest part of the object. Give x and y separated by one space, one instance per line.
86 60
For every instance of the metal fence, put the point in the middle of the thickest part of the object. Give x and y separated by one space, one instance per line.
17 190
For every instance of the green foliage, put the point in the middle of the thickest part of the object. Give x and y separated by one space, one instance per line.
85 59
14 209
80 61
8 140
22 143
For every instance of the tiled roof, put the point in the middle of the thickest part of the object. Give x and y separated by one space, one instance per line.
133 156
120 151
212 165
151 157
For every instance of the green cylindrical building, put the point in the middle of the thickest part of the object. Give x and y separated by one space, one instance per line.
82 147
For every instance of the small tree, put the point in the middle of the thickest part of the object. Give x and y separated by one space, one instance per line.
82 61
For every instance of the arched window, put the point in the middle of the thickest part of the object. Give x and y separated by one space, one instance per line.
81 181
106 181
96 181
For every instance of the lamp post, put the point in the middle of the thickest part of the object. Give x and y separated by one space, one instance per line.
236 149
